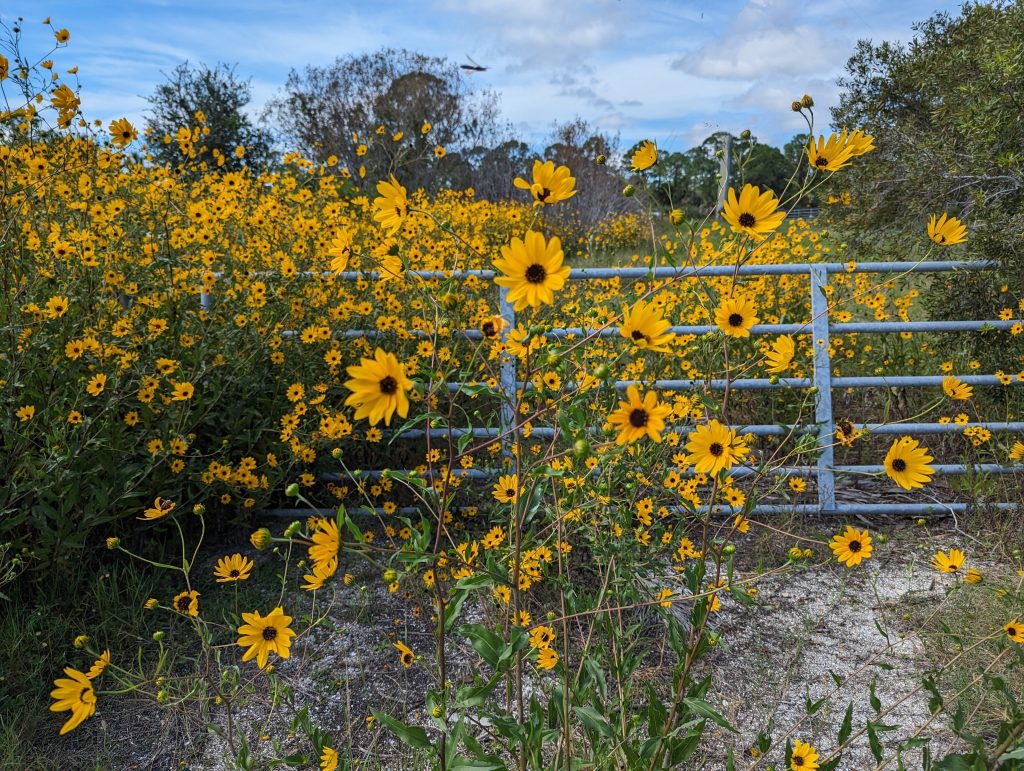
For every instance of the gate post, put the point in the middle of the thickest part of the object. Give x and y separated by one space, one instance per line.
823 382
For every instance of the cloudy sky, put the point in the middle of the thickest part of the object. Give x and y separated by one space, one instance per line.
671 70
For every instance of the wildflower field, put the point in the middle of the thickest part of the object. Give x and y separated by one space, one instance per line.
274 412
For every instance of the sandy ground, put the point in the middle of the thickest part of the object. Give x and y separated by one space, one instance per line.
771 659
816 624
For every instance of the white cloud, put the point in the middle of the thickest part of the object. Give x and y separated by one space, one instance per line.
764 39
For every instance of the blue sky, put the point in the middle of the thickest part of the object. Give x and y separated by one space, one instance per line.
671 70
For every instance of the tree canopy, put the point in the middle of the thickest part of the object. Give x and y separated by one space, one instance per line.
218 96
946 114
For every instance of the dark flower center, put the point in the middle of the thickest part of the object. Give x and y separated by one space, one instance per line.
543 194
388 385
488 329
716 449
638 335
853 546
798 760
269 632
183 603
899 464
735 320
234 573
821 161
536 274
1012 631
638 418
747 220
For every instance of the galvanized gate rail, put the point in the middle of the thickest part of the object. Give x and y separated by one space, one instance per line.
823 381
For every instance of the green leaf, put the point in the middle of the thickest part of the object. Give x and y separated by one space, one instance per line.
595 722
813 706
460 763
485 642
876 746
876 703
847 727
702 708
412 735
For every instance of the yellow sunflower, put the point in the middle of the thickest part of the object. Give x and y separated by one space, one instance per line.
907 463
321 572
405 654
532 270
781 354
329 759
378 387
187 603
391 207
326 540
946 230
638 417
753 212
1017 451
851 547
956 389
948 563
233 568
804 757
99 665
263 635
646 327
736 315
550 185
830 155
646 155
73 693
547 658
1014 630
857 142
122 133
161 507
713 448
506 490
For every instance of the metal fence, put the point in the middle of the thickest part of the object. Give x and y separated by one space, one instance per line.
825 470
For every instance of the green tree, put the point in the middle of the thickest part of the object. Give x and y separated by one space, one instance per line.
945 112
221 97
338 109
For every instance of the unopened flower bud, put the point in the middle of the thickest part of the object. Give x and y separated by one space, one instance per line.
113 543
390 576
436 711
292 490
745 134
81 640
199 509
292 529
796 106
628 191
806 101
336 453
260 538
159 635
162 696
676 217
601 160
